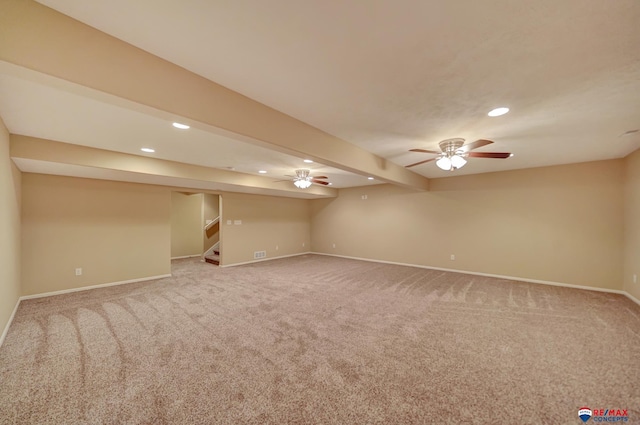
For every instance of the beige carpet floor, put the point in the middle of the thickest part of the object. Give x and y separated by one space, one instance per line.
320 340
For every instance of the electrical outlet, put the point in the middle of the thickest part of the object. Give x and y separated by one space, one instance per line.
303 244
453 257
78 272
334 245
229 222
276 247
259 254
364 196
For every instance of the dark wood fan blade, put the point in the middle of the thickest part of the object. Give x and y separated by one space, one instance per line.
475 145
319 182
489 155
319 177
424 151
418 163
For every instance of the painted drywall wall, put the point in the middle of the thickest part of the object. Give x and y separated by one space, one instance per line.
187 225
211 206
279 226
114 231
632 224
561 224
10 181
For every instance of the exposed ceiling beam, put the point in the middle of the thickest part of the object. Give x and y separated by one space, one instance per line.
36 37
164 172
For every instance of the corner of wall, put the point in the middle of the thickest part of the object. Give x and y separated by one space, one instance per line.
631 251
268 226
10 228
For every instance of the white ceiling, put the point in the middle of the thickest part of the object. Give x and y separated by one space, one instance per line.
387 76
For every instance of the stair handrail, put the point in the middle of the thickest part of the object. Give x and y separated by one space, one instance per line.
211 223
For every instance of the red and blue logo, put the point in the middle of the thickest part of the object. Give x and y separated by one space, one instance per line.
585 414
603 415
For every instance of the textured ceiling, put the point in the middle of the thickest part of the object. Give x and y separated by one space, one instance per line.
388 76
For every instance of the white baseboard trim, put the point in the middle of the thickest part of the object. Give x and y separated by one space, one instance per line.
520 279
186 256
6 328
87 288
632 298
267 259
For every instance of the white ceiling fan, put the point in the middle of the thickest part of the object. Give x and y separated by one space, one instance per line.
303 179
455 153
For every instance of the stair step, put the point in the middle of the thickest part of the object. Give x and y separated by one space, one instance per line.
213 258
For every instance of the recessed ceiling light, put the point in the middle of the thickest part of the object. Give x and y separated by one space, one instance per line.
262 172
308 161
498 111
148 150
370 178
181 126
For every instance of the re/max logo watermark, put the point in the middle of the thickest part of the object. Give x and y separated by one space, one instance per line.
603 415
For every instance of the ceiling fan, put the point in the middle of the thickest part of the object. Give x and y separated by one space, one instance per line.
303 179
454 153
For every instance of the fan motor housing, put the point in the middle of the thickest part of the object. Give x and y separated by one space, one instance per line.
450 146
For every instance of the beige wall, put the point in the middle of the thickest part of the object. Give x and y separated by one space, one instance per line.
113 231
187 224
267 222
211 206
632 224
10 180
561 224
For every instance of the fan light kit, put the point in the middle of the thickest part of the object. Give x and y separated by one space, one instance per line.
302 184
451 159
453 163
455 153
303 179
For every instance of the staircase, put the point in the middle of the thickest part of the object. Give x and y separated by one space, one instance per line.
211 230
213 255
